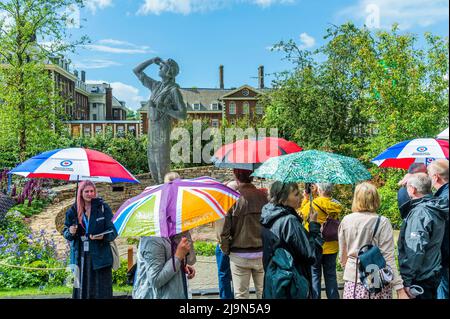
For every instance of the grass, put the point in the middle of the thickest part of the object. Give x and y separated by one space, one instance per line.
63 290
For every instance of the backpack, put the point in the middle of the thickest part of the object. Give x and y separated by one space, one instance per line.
374 273
282 280
330 228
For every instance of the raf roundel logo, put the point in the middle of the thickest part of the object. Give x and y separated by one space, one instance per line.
422 149
66 163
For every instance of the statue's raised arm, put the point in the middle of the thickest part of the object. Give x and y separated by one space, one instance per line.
147 81
165 104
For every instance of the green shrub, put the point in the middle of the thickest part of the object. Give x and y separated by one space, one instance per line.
120 275
205 248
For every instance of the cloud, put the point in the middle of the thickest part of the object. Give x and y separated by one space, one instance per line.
306 41
127 93
123 92
93 5
407 13
118 46
191 6
94 64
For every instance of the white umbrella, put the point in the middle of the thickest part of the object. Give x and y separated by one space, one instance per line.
443 135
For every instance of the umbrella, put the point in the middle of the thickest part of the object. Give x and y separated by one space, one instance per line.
313 167
251 153
172 208
443 135
421 150
75 164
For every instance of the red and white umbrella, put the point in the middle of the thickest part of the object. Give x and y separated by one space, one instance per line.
75 164
251 153
421 150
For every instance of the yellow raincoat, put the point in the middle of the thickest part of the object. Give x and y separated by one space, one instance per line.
329 205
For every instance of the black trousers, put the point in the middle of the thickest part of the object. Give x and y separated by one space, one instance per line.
429 287
96 284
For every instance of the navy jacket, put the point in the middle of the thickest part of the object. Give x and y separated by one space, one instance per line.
99 222
421 235
443 193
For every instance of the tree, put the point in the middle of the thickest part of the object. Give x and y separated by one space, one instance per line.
361 92
32 31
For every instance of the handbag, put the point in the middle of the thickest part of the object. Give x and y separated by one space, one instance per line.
115 255
330 228
374 273
114 250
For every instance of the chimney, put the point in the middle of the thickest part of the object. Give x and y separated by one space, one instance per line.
83 76
109 116
261 77
221 83
75 72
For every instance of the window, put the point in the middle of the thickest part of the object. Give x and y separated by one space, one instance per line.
94 117
215 106
98 129
232 109
87 131
116 114
259 109
245 108
196 106
94 105
215 123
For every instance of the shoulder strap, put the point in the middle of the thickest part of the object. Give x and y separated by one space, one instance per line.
376 227
320 209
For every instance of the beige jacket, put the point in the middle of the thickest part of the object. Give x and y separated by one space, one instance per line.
355 231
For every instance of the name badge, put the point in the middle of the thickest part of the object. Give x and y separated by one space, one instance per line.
100 218
86 245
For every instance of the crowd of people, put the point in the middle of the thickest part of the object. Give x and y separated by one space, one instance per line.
284 240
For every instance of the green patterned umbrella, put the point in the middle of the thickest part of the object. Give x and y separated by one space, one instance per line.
313 167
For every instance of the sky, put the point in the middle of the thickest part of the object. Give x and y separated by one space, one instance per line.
203 34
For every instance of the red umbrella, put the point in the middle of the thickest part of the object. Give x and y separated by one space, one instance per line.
251 153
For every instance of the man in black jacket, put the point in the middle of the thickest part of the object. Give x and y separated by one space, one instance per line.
438 172
421 235
403 199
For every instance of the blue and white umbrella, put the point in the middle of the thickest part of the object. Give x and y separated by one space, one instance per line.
421 150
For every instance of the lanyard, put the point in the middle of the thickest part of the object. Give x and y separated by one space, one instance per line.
86 222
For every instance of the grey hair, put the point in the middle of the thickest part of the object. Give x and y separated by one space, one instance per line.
325 188
171 176
439 167
421 182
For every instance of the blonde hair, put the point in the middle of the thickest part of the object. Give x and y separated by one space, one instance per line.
366 198
171 176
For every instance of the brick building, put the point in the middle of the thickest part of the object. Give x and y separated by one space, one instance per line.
218 104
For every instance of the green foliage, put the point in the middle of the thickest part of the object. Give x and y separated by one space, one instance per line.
369 91
120 275
31 111
36 207
205 248
20 247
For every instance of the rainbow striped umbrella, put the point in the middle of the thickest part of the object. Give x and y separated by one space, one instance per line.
172 208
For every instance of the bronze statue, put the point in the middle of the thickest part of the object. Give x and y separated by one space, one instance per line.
165 104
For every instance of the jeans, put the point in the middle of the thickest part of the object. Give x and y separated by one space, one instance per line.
224 272
442 292
328 264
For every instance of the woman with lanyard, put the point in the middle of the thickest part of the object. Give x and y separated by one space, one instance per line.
89 229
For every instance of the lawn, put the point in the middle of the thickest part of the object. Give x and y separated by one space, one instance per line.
63 290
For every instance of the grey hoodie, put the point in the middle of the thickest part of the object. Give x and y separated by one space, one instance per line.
421 235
